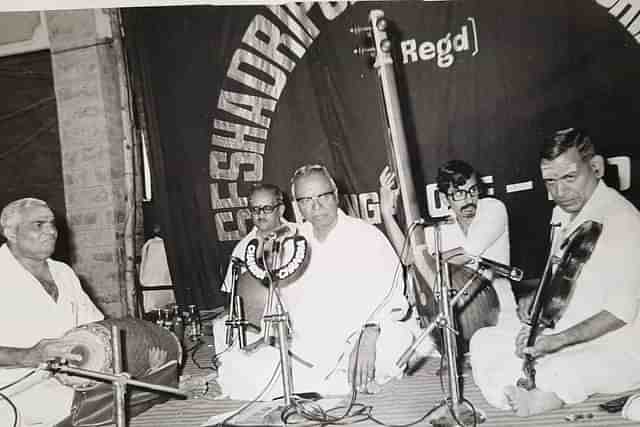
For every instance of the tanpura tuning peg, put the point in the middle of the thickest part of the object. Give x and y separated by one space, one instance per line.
382 24
361 51
357 30
385 45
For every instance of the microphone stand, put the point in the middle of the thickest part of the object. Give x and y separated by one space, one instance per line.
275 314
447 298
236 323
119 379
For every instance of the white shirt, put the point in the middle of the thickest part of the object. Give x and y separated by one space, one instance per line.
488 234
29 314
610 280
154 268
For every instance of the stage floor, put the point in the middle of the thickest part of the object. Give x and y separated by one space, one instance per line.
400 402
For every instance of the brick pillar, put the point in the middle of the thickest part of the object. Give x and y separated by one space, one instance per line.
91 139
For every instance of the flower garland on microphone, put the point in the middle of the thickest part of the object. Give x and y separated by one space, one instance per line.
297 263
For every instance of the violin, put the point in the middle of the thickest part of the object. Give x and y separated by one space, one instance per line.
556 288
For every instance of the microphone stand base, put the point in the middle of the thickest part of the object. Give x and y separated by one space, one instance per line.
443 416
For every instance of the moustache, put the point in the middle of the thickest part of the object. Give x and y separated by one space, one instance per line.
468 205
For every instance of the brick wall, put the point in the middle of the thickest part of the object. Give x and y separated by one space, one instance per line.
91 137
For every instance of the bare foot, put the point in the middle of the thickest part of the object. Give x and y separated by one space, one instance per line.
531 402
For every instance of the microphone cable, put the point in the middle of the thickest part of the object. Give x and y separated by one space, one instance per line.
322 416
396 274
13 408
22 378
6 398
274 376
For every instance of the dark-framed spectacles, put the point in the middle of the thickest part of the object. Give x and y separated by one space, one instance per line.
460 193
322 198
267 209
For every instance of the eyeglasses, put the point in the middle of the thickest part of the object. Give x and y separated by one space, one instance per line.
461 194
267 209
308 201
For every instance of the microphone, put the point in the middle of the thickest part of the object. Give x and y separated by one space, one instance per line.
434 221
279 232
513 273
237 261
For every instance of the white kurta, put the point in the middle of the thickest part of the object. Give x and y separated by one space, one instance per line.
610 281
154 271
28 314
353 277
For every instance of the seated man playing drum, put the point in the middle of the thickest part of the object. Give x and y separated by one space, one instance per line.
42 299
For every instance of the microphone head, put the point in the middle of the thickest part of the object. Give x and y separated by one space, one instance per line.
237 261
516 274
280 231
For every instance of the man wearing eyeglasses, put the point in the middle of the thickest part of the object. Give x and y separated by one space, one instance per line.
479 226
347 305
266 205
342 309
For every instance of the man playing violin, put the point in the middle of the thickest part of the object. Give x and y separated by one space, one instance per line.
593 347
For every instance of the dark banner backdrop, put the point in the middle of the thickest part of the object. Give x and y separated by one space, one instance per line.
236 95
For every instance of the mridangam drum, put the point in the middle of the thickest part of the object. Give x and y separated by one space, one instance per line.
137 337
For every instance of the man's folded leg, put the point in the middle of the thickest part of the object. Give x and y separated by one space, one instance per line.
44 404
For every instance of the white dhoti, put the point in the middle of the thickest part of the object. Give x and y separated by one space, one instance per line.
36 392
573 374
245 376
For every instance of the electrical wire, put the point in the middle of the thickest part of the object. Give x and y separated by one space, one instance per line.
274 376
9 401
322 416
22 378
311 411
397 271
13 408
193 351
50 124
27 108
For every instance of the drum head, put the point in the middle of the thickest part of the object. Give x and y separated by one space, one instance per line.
93 344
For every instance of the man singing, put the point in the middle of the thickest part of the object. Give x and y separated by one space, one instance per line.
343 309
266 205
